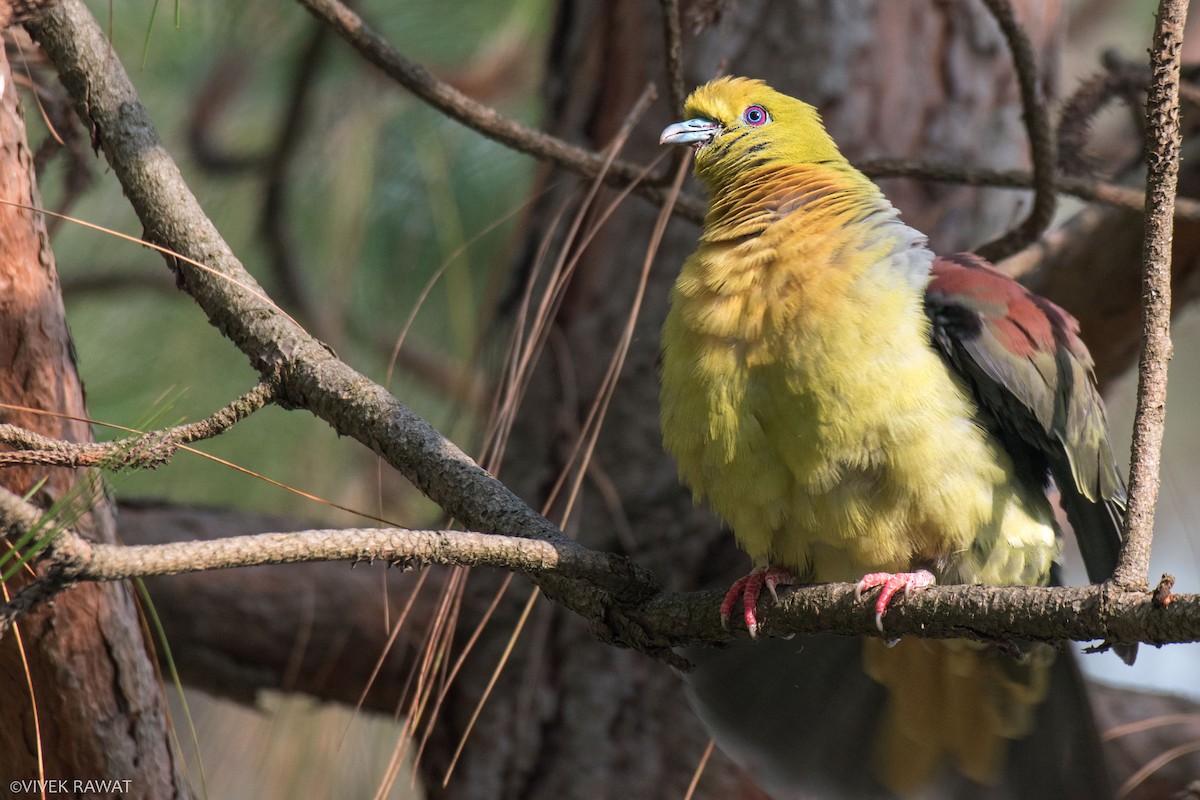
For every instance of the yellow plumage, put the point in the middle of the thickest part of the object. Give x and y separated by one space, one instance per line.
803 402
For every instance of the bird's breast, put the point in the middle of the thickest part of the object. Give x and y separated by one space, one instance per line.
804 403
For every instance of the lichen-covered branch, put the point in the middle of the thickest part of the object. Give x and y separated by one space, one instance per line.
145 451
979 612
1162 155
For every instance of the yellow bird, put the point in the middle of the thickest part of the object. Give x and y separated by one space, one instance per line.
858 409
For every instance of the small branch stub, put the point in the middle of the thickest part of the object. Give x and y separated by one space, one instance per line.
1162 596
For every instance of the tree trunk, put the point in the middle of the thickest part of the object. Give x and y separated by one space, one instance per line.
78 692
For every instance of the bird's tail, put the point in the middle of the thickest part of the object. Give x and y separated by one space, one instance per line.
952 700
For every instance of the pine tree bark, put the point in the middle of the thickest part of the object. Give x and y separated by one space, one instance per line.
79 696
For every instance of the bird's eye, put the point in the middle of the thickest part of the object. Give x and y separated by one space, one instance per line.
756 115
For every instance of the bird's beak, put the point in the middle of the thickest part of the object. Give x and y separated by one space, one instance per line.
693 131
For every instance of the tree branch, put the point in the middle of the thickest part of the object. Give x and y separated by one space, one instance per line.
485 119
489 122
985 613
145 451
76 559
1041 139
1110 194
1162 155
618 598
991 613
308 375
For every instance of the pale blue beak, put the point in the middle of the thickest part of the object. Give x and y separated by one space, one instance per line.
693 131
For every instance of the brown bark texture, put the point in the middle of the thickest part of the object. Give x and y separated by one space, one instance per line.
78 689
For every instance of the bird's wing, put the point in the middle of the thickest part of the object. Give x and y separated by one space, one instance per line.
1023 358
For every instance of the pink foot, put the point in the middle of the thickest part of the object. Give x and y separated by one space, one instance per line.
891 583
748 589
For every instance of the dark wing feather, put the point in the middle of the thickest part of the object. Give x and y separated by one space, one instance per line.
1024 360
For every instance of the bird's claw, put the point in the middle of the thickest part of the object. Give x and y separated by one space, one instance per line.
748 589
891 583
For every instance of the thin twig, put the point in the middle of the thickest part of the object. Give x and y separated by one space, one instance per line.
1123 82
146 451
477 116
1162 156
1077 186
1041 139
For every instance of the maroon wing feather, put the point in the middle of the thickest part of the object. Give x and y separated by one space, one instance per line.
1032 374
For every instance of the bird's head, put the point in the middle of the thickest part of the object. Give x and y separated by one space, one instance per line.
739 123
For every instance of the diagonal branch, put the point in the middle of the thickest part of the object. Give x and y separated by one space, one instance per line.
485 119
308 375
1162 155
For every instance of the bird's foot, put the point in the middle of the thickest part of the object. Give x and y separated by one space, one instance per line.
748 589
891 583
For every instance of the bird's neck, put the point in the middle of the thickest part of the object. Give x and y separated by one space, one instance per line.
834 192
826 224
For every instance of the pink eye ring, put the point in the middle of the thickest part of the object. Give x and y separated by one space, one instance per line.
756 116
